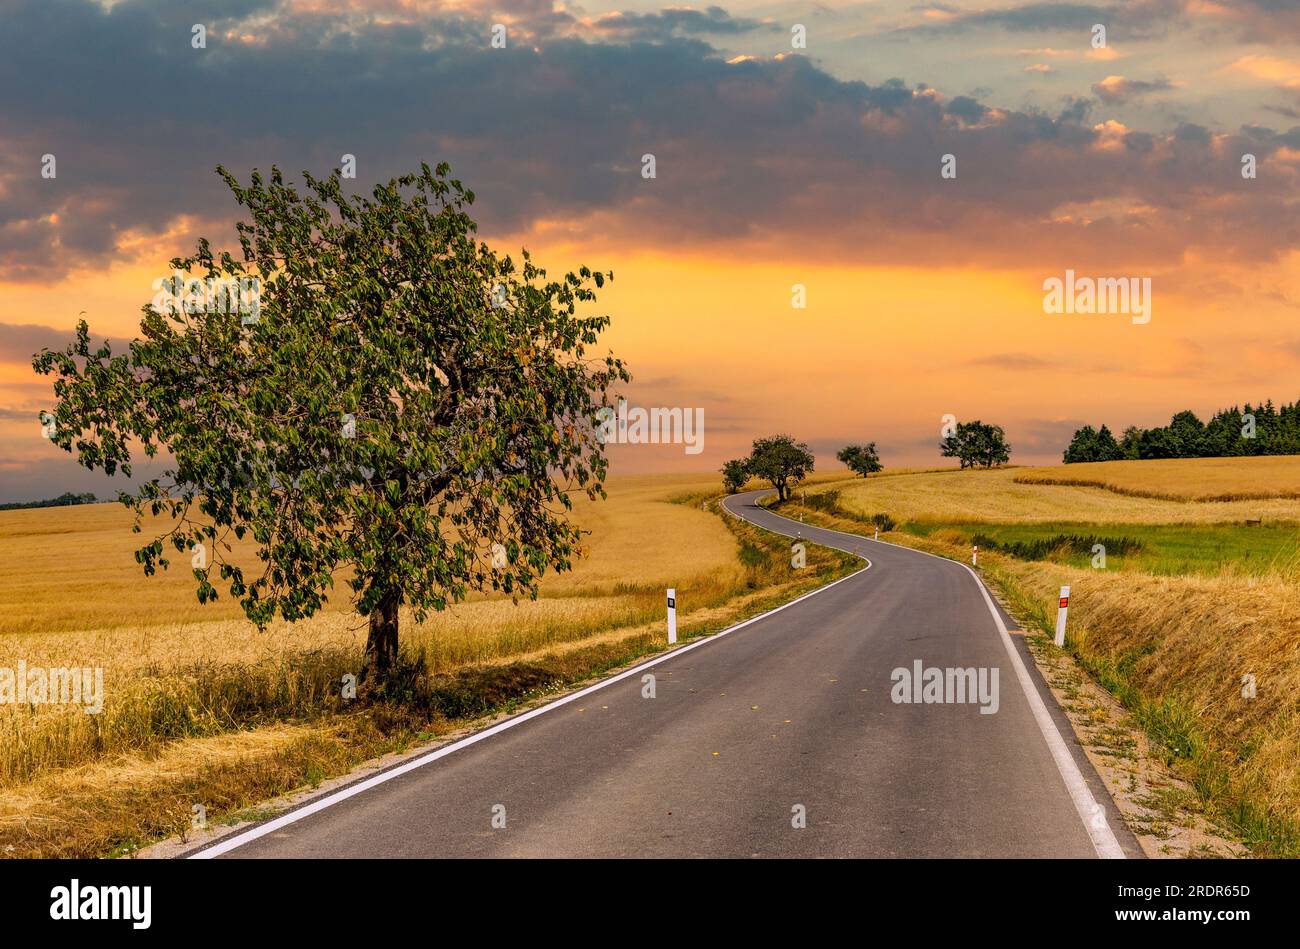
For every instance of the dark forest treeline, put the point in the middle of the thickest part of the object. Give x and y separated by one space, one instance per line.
1258 430
61 501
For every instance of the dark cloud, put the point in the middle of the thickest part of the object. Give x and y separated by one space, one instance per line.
673 22
1137 18
1250 21
1015 362
28 480
18 343
1040 437
776 152
1116 90
1260 21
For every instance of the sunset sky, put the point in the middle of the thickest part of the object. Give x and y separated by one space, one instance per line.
775 166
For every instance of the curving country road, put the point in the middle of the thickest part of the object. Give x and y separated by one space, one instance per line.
788 715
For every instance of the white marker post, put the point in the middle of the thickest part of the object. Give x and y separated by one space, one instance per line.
974 551
1062 609
877 533
672 615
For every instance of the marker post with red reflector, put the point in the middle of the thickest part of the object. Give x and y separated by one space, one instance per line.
1062 608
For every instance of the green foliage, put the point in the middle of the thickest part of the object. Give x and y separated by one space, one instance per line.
883 521
827 502
734 475
781 461
861 459
1041 548
976 444
467 374
1277 432
1089 444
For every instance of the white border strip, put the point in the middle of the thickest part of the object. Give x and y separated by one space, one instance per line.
329 800
1091 813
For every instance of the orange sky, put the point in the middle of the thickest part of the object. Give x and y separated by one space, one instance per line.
777 165
878 354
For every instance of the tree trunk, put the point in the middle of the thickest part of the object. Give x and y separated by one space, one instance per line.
381 645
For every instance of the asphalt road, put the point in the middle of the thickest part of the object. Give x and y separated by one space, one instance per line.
791 715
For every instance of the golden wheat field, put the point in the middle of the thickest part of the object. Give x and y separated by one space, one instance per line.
197 701
1028 495
72 569
1190 479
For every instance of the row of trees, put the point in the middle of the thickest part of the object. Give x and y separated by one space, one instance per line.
1262 430
783 462
63 500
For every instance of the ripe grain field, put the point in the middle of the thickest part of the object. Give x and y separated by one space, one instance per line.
201 707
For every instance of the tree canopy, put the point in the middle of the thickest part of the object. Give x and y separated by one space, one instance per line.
734 474
781 461
405 404
976 444
861 459
1251 430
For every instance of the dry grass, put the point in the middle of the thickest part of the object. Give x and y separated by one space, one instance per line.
1005 496
1182 479
201 707
1175 649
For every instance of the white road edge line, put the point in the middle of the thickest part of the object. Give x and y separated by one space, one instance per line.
329 800
1091 813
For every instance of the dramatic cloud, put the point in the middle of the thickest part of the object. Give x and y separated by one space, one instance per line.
19 342
1118 89
670 23
769 152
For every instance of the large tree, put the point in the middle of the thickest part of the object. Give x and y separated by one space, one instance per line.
781 461
405 408
861 459
977 444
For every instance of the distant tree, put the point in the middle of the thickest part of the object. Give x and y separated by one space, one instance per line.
1188 435
1089 444
1158 443
976 444
734 475
1130 445
63 500
861 458
405 410
781 461
1263 429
